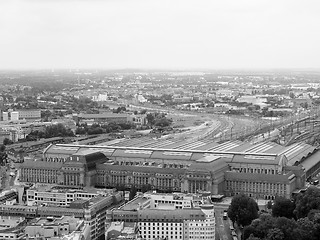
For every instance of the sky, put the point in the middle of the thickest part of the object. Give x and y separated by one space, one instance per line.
162 34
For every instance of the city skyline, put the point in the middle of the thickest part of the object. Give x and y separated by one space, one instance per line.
159 34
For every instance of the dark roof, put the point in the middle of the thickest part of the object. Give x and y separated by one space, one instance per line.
271 178
90 159
147 169
310 161
208 164
171 215
41 164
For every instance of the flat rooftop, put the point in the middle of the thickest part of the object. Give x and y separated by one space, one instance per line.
60 189
54 221
135 203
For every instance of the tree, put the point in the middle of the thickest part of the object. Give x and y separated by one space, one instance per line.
243 210
248 231
7 141
146 188
133 192
275 234
119 109
262 225
2 148
289 227
252 237
150 118
163 122
58 130
283 207
307 201
267 227
269 205
143 111
3 157
307 229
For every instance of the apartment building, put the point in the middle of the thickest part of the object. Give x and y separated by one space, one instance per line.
30 114
93 211
194 220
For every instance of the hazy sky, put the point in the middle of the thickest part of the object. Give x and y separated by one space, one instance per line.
160 34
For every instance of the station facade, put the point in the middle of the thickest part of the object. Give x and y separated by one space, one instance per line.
255 173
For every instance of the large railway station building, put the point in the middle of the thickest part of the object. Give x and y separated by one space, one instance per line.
263 170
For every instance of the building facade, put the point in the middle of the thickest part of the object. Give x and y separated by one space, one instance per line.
257 174
30 114
93 211
64 227
169 216
57 196
11 227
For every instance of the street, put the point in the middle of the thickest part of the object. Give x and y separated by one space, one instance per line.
222 226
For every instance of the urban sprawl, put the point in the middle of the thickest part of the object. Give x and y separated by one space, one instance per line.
159 155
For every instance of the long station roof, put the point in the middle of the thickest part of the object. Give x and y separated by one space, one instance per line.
148 148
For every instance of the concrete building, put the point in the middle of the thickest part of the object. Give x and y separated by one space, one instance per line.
138 120
101 118
5 116
12 227
168 220
100 97
93 211
51 228
79 170
140 98
8 195
14 116
56 196
254 100
29 114
122 230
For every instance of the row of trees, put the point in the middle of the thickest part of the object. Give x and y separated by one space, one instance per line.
103 128
57 130
267 227
298 218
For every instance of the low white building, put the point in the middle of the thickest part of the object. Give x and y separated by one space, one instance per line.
255 100
100 98
14 116
58 197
